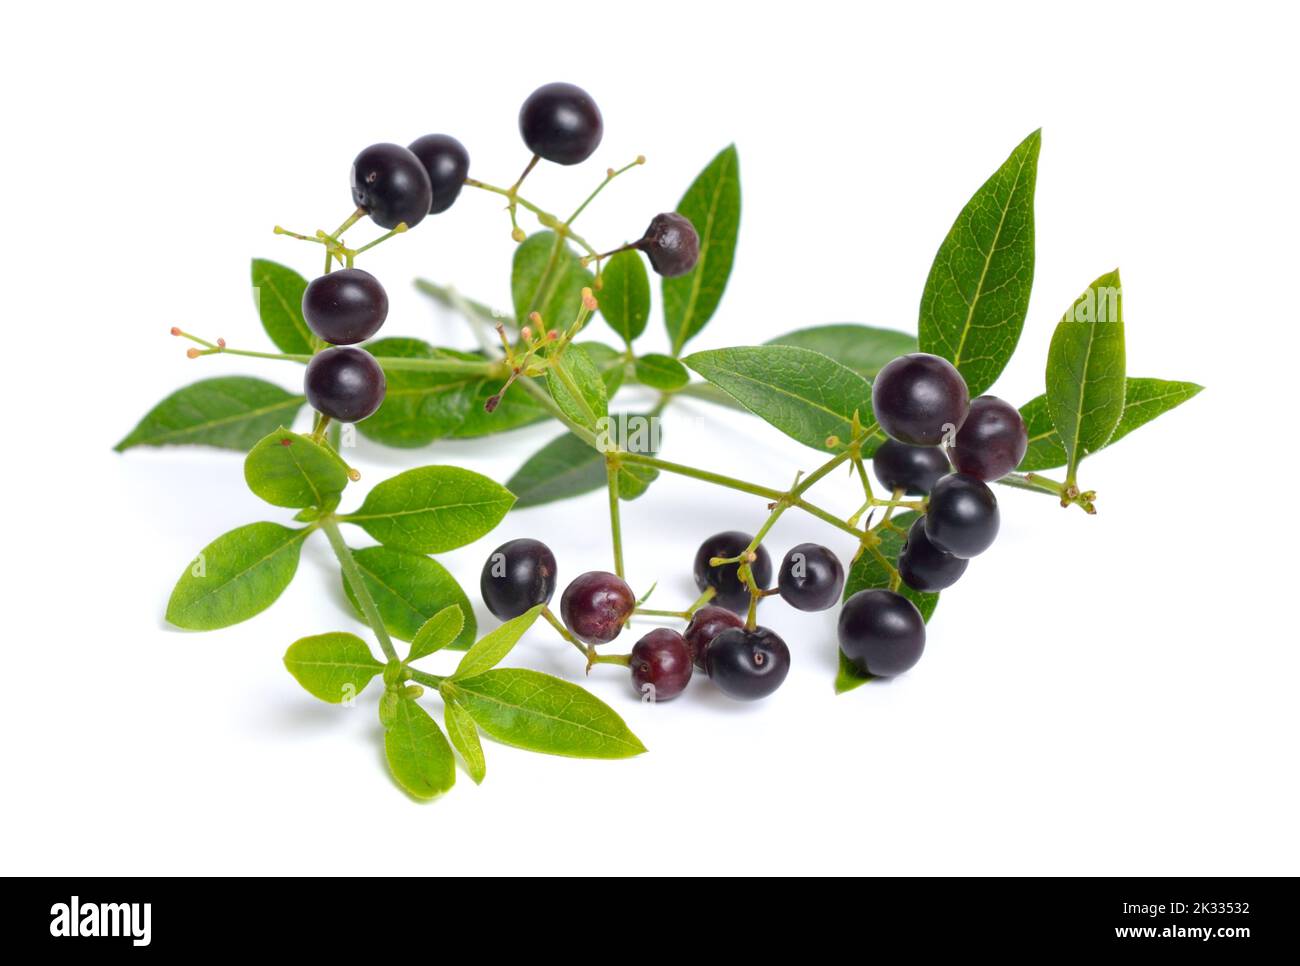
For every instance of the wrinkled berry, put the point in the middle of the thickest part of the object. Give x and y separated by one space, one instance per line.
706 624
919 399
913 469
518 575
671 243
661 665
390 183
446 162
732 593
811 577
881 632
962 518
596 605
345 307
923 566
561 123
992 441
747 665
346 384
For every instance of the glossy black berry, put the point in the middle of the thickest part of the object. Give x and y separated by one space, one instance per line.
992 441
346 384
923 566
446 162
732 593
913 469
671 243
881 632
345 307
747 665
811 577
962 518
561 123
390 183
661 665
919 399
596 605
518 576
706 624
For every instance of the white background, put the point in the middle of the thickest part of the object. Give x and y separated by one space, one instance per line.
1099 695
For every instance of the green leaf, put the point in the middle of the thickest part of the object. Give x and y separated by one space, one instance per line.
567 467
231 412
586 378
444 629
333 667
625 295
712 204
517 408
288 469
418 754
418 407
236 576
410 589
432 509
547 277
464 738
278 291
805 394
863 348
1085 370
977 293
661 372
609 362
538 712
1144 400
495 645
868 573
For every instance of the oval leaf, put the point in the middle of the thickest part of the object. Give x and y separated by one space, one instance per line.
418 407
547 277
805 394
238 575
1085 371
977 293
538 712
432 509
863 348
444 629
464 738
288 469
410 589
494 646
418 754
712 204
278 291
661 372
625 295
333 667
230 412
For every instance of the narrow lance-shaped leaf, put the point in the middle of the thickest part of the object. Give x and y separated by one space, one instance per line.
712 205
288 469
805 394
334 667
1144 400
1085 371
538 712
278 291
439 631
977 294
661 372
464 738
238 575
567 467
863 348
409 589
495 645
589 405
432 509
230 412
418 754
625 295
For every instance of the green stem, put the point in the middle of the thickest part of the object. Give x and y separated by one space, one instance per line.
352 573
562 373
544 217
563 631
615 524
424 677
601 187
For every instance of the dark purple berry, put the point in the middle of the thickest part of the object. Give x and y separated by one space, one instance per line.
747 665
446 162
881 632
561 123
671 243
962 518
706 624
390 183
925 567
732 592
596 605
992 441
346 384
517 577
661 665
919 399
345 307
913 469
811 577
